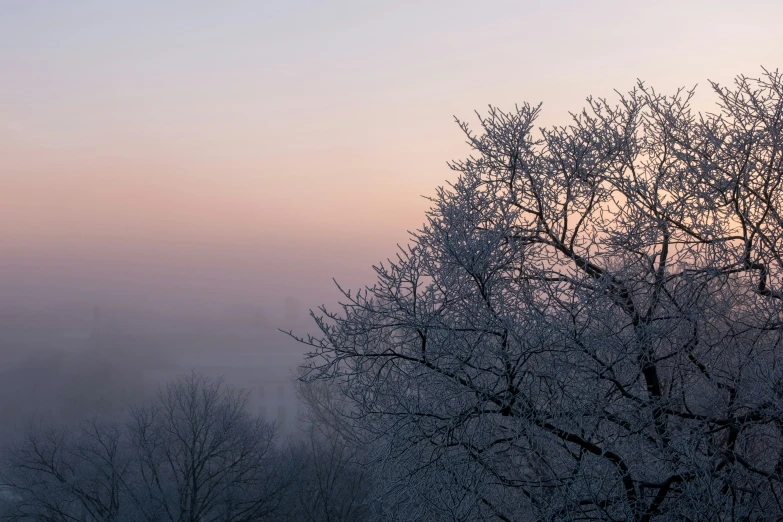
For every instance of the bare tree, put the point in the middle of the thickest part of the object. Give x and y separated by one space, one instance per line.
589 324
332 480
330 483
201 457
58 476
192 455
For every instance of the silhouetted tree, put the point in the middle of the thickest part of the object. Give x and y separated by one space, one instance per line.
55 475
589 324
332 481
200 457
330 484
192 455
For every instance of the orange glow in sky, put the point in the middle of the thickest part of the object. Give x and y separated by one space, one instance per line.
186 151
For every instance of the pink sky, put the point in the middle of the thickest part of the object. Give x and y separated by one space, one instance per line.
237 152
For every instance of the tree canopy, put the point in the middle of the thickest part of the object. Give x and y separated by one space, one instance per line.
588 325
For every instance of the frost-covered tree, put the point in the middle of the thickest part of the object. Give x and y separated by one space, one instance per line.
588 326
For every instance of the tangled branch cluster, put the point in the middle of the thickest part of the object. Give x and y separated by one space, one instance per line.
588 326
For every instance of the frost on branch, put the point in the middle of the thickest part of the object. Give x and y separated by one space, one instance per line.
588 326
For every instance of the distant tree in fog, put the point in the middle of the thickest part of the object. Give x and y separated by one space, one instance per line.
191 455
58 476
588 326
332 482
200 457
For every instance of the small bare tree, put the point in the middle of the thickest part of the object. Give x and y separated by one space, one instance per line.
332 479
330 484
191 455
58 476
200 457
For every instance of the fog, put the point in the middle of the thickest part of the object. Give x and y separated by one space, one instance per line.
181 182
178 182
90 324
62 363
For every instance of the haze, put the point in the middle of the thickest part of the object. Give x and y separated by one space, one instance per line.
180 179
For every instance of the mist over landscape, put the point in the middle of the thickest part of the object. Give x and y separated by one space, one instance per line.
56 358
566 311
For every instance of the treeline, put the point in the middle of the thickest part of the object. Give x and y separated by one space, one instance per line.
192 454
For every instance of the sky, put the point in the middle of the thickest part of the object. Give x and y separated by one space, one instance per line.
204 155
